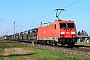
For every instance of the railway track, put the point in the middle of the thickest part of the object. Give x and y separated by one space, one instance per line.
76 50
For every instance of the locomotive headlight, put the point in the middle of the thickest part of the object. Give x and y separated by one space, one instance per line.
67 30
72 32
62 32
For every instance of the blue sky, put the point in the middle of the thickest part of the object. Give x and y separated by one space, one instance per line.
29 11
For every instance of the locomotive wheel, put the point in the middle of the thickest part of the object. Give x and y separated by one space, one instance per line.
53 43
47 42
36 42
50 43
70 45
62 44
43 42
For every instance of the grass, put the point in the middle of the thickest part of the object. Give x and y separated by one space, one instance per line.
16 57
38 53
83 44
1 50
8 44
43 54
1 58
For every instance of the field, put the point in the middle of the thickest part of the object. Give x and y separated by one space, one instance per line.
17 51
83 43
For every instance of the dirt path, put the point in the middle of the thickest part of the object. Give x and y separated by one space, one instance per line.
18 51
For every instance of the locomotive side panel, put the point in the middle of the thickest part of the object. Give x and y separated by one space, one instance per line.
45 33
56 30
50 32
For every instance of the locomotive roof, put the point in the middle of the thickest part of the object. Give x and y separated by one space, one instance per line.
64 21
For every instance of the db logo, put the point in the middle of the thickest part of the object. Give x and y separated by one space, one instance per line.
67 32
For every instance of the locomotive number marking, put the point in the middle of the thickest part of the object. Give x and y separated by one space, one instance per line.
67 32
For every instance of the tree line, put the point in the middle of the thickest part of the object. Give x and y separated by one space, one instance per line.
84 33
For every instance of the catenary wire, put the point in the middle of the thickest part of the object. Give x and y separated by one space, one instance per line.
64 7
72 3
76 12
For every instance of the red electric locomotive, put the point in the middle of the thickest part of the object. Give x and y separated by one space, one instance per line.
61 31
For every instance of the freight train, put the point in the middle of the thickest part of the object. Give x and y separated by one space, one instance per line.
59 32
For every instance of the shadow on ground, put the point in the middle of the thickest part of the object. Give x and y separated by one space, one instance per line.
18 55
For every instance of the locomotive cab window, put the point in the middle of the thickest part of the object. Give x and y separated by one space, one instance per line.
70 25
55 26
62 25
